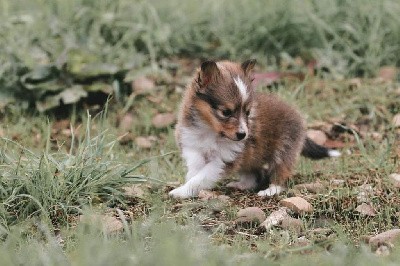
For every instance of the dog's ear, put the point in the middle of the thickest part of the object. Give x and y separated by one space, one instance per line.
248 66
209 73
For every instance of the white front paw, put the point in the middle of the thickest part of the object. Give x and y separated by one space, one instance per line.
271 191
183 192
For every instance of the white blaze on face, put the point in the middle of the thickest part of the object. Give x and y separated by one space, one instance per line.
243 126
242 88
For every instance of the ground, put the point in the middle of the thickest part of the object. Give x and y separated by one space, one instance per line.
353 116
89 93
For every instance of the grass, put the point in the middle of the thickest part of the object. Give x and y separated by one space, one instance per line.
155 224
57 166
57 184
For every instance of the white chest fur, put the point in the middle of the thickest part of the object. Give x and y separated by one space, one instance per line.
203 140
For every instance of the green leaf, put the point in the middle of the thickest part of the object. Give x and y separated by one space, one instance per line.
68 96
42 74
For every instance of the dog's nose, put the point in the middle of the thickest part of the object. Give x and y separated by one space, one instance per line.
240 135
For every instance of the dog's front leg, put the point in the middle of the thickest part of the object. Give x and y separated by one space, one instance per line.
194 162
206 178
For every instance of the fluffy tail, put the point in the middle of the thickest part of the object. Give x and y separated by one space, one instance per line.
314 151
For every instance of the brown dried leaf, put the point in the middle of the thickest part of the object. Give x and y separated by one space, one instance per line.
207 195
143 142
275 218
163 120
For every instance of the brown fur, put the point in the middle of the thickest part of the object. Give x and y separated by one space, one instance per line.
276 139
276 131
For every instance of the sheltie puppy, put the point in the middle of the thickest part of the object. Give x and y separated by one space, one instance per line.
225 126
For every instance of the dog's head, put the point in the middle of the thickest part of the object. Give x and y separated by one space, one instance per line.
224 97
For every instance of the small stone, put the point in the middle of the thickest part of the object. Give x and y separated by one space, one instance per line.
2 134
395 179
316 187
250 214
317 136
366 209
275 218
396 120
126 122
134 191
143 142
292 224
388 237
143 85
163 120
297 204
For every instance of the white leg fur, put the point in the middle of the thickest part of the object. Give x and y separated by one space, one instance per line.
194 162
271 191
206 178
247 181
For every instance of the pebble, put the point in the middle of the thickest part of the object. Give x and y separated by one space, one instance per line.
297 205
250 214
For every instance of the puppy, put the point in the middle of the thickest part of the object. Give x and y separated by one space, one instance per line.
225 126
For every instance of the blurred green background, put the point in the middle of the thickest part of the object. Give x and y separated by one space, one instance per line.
86 46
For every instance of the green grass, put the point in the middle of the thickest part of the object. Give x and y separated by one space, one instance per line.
184 232
56 166
55 184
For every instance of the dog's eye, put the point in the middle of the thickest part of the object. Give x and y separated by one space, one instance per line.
247 112
227 113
